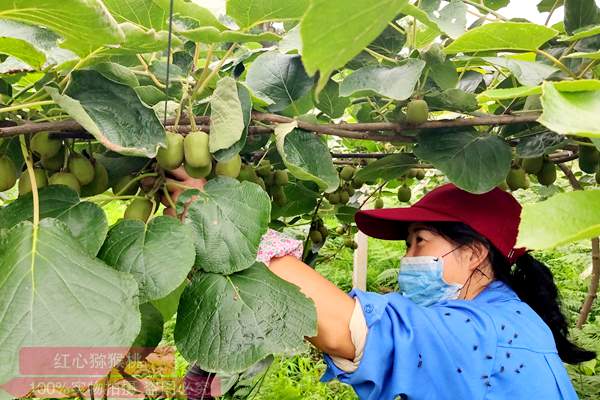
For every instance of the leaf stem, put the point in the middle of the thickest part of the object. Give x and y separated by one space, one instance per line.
556 62
587 68
377 55
18 107
34 188
486 9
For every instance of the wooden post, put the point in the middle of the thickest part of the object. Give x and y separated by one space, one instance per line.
359 272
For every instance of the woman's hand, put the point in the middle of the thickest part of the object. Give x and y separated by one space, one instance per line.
177 182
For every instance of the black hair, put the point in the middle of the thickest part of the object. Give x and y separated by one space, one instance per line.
531 280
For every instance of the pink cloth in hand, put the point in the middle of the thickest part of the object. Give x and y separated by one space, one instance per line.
276 244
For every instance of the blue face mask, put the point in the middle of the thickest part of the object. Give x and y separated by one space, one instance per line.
421 280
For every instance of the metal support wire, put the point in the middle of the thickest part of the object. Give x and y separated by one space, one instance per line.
171 6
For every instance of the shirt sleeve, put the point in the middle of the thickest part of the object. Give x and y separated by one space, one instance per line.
277 244
358 333
445 351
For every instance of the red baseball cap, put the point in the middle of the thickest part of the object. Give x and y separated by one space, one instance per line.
495 215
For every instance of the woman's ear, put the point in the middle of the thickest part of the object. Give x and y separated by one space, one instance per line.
475 255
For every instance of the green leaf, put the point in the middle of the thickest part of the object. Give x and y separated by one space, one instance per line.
168 304
279 78
581 34
226 118
510 93
580 13
191 10
345 214
502 36
497 4
151 330
49 285
548 5
562 219
150 95
387 168
452 100
540 144
475 163
245 99
331 38
570 113
330 102
144 13
86 221
250 13
227 323
453 19
84 24
441 70
397 83
140 41
228 219
592 56
302 198
210 34
34 45
158 255
306 156
111 112
117 73
527 73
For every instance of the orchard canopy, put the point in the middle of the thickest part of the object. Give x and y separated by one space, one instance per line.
288 108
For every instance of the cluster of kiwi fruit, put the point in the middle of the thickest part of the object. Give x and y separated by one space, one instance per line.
350 182
318 232
55 164
193 152
518 177
266 176
348 241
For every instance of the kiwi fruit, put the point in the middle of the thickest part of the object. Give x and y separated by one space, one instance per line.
82 168
138 209
196 150
8 173
264 168
598 176
260 182
347 172
547 175
517 179
281 178
54 163
40 179
247 173
279 197
379 202
123 183
404 193
344 197
341 229
357 183
420 174
199 172
43 146
67 179
532 165
99 184
417 112
334 198
589 158
269 178
229 167
171 157
315 236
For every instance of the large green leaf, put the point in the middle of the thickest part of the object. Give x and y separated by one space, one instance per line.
151 330
245 99
145 13
139 40
191 10
228 220
475 163
452 19
502 36
580 13
581 34
397 83
387 168
168 304
563 218
581 85
226 118
570 113
86 221
306 156
248 13
301 198
53 295
278 78
592 56
452 99
332 38
34 45
158 255
330 102
526 72
210 34
227 323
111 112
84 24
540 144
548 5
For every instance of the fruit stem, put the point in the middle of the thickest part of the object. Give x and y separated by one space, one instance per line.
372 193
312 220
26 105
103 197
169 198
33 183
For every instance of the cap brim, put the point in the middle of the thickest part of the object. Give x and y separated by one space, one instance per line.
392 223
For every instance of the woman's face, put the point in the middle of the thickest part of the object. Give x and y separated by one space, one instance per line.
423 242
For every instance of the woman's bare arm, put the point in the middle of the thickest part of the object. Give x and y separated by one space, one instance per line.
334 306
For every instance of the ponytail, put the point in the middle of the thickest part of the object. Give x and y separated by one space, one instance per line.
534 284
531 280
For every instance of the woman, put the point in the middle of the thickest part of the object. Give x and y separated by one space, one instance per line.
466 325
